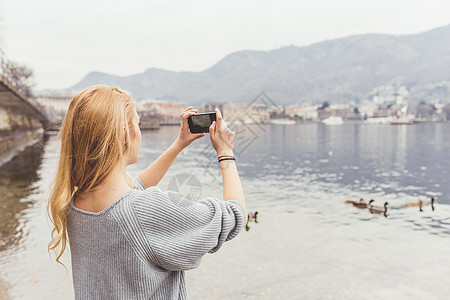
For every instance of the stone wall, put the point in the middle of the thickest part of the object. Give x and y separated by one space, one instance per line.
11 121
16 130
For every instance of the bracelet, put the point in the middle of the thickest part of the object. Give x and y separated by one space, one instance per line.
225 155
226 158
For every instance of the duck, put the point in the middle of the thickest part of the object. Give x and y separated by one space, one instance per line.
421 203
432 203
361 203
252 216
413 204
354 201
427 202
378 209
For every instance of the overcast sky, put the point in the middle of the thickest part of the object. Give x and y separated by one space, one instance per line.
64 40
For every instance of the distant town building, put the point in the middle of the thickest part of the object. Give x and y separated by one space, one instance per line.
55 104
345 111
306 112
168 113
246 113
210 107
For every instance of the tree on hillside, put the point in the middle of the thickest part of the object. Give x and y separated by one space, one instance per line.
324 105
22 76
18 75
446 111
425 111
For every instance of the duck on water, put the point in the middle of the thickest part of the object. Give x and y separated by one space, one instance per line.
359 204
378 209
421 203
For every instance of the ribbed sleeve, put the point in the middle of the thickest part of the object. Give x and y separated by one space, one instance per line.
138 184
180 234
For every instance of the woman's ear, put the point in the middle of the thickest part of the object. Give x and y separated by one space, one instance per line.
128 134
124 135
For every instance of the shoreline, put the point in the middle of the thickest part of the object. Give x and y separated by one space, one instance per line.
14 142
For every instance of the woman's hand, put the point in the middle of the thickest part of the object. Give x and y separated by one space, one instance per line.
222 138
185 137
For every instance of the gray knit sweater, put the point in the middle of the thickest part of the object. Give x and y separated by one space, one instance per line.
140 246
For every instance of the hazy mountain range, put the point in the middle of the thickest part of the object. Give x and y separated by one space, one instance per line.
339 70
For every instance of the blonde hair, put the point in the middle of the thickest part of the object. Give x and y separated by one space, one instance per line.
93 143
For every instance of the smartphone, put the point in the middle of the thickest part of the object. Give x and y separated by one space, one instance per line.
200 122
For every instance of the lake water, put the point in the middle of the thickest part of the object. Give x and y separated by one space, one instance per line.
308 243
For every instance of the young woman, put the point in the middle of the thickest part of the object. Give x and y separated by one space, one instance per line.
129 239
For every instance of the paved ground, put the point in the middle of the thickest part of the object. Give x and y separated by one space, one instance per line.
259 263
3 294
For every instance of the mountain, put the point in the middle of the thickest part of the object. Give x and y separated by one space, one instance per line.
339 70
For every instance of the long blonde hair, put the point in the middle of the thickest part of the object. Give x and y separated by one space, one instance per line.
93 143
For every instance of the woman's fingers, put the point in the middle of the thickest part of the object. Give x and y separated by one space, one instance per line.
190 107
198 135
212 130
221 124
186 114
219 119
190 110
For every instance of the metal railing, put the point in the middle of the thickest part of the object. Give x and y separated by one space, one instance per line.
10 75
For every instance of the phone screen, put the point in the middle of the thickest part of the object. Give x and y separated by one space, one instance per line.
199 123
202 120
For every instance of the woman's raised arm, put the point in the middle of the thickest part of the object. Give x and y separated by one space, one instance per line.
222 139
153 174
